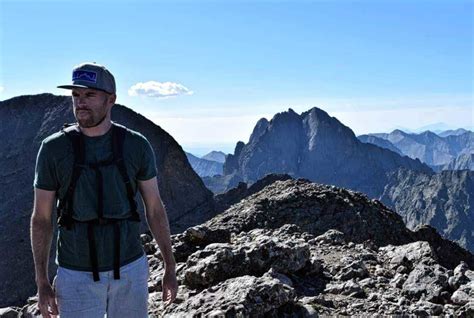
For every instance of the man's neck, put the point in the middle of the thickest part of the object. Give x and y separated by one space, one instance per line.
99 130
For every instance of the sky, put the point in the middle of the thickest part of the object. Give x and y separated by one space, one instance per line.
207 71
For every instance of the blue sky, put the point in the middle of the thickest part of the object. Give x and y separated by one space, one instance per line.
206 71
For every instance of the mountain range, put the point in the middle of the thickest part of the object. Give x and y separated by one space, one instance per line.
318 147
441 152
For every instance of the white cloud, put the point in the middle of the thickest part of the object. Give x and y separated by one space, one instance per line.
158 89
2 89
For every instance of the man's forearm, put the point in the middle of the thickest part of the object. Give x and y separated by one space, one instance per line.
159 226
41 239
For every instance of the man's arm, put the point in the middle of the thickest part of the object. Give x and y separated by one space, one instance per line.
159 226
41 238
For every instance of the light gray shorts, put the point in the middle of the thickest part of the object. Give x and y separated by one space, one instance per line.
79 296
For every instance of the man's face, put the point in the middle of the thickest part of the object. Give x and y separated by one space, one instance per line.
91 106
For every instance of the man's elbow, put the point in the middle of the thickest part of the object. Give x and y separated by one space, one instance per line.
156 210
41 220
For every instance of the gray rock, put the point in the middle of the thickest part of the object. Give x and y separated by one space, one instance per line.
460 297
426 308
459 276
464 294
407 255
333 237
398 280
355 269
467 310
429 281
8 312
350 288
240 296
30 311
381 271
254 252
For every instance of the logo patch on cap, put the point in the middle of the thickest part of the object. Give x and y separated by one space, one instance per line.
87 76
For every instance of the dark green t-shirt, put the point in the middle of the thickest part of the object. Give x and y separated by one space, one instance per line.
53 172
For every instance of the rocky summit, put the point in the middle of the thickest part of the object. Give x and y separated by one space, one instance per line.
301 249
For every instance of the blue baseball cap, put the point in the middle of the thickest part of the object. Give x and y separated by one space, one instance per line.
92 75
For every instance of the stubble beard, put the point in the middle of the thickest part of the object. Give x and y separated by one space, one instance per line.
93 119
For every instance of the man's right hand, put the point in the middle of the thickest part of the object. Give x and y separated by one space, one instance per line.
47 300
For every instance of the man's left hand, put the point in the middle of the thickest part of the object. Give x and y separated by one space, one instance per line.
169 287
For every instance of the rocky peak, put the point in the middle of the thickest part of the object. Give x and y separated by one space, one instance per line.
217 156
324 131
284 120
231 164
396 135
259 129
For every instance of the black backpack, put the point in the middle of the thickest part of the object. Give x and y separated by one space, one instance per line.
65 204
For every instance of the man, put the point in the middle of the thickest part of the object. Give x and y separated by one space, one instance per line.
94 169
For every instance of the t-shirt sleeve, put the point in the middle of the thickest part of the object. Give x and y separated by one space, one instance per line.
148 165
45 174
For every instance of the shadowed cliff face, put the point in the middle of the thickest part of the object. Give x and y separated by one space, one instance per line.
26 121
444 200
297 249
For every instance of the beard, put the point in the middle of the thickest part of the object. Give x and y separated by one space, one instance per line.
90 118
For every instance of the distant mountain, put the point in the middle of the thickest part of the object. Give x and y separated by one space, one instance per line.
427 146
315 146
444 200
218 156
436 128
26 121
456 132
378 141
204 167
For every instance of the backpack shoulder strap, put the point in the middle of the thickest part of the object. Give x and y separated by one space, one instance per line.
118 138
65 205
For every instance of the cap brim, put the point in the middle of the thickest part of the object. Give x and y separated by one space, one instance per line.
73 86
82 86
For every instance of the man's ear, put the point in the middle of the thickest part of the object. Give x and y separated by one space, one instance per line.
112 98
